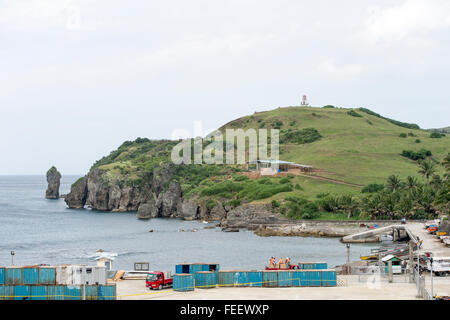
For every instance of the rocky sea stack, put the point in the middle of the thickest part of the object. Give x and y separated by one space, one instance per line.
54 181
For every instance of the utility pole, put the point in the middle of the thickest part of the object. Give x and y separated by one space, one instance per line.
348 259
432 289
390 271
83 277
411 261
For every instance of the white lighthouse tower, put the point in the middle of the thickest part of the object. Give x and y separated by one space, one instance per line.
304 101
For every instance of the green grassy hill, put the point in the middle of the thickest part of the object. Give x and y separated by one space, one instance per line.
359 150
355 147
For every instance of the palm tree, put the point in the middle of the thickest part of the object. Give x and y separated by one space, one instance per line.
349 204
393 183
446 163
427 168
436 182
411 182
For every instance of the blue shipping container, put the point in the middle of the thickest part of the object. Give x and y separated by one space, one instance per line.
314 278
55 292
13 276
329 278
205 279
211 267
197 267
226 278
183 282
270 279
2 276
90 292
285 278
255 278
183 269
72 293
47 275
39 293
6 292
30 275
300 278
241 279
22 292
107 292
313 265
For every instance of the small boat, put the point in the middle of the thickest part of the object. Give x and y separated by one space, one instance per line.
386 238
371 257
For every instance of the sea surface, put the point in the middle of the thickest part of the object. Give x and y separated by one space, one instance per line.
42 231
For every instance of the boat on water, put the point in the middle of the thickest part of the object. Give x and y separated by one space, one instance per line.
370 257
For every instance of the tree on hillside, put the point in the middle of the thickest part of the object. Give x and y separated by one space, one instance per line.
436 182
427 169
393 183
443 197
411 182
446 163
349 204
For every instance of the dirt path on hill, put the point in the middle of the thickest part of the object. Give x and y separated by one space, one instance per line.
330 180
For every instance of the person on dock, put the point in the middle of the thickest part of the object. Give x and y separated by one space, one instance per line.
288 261
272 262
280 261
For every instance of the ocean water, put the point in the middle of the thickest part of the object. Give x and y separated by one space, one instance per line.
42 231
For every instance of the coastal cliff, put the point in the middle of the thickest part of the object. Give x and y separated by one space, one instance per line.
140 176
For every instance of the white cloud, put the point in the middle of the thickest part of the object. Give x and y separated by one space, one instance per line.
330 68
201 46
409 23
40 13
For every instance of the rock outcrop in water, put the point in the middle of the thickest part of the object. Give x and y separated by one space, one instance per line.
76 199
54 181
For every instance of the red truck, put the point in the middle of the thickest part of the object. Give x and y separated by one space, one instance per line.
159 280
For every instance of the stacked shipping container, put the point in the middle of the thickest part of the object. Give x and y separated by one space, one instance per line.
55 283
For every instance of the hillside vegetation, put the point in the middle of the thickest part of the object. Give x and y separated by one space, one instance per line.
349 147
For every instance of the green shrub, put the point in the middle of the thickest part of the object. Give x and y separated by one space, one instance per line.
373 187
353 113
278 124
402 135
210 204
397 123
240 178
234 203
437 135
303 136
285 180
328 106
419 155
275 204
418 141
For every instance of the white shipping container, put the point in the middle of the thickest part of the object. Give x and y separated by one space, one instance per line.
80 274
64 275
100 275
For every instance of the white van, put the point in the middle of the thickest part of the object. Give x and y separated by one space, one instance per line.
441 266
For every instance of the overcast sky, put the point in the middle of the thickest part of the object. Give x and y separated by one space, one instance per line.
77 78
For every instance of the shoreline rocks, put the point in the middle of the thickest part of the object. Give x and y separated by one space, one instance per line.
161 196
54 181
